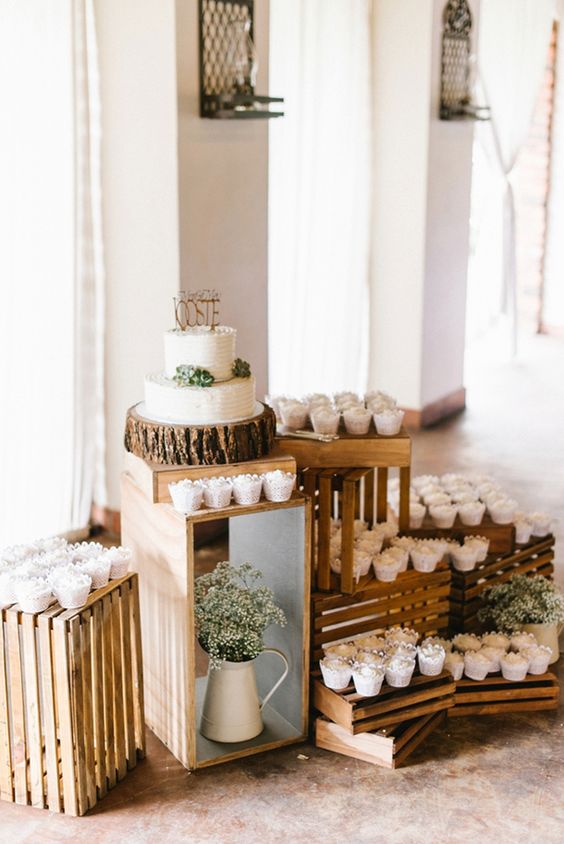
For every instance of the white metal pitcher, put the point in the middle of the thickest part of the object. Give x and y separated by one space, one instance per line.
232 708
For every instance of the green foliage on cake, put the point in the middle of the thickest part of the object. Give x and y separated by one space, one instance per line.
193 376
241 369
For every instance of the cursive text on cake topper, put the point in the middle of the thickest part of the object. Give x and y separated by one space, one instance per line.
193 308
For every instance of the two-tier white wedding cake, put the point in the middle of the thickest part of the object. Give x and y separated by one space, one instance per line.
202 382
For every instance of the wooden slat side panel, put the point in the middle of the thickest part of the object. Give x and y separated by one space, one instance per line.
47 675
128 713
77 710
87 697
32 711
117 702
429 725
19 747
406 582
63 693
137 667
6 783
108 691
347 550
98 699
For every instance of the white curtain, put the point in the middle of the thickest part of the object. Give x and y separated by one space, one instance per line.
51 269
319 204
513 45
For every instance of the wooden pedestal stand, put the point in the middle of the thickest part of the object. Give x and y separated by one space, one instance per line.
274 538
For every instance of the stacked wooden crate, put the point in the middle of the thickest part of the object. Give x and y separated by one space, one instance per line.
497 696
71 699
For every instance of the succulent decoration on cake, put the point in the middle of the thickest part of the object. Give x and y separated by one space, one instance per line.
241 369
192 376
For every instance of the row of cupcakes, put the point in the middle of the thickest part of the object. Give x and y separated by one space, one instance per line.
38 574
216 493
469 497
515 655
324 412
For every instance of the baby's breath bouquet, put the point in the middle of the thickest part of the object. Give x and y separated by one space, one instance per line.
232 612
523 600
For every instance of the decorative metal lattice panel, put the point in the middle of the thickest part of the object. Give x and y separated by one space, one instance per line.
216 18
455 71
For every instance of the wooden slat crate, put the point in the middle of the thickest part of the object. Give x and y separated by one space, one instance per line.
414 598
467 588
388 748
360 491
495 695
71 700
502 537
358 714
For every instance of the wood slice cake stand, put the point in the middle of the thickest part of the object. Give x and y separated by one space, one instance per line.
199 445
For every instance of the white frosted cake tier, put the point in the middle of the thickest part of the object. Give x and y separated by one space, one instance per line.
201 346
226 401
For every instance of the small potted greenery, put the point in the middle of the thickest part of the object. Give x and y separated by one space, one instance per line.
232 611
533 604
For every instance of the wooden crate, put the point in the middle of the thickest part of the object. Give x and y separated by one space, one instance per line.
416 599
496 696
71 700
467 588
502 537
271 536
388 748
367 451
358 714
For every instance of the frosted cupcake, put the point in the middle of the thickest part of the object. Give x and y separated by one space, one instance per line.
33 595
434 499
421 481
416 515
542 523
369 658
465 642
70 587
294 414
539 657
344 650
495 640
471 513
278 485
464 496
476 665
400 554
357 420
386 567
387 529
523 531
325 421
399 671
247 489
186 495
503 511
120 558
424 558
464 557
438 640
454 662
370 541
402 634
388 422
443 515
431 659
441 546
494 655
401 649
372 642
521 640
217 492
481 544
514 666
368 679
98 570
336 673
359 528
7 587
362 561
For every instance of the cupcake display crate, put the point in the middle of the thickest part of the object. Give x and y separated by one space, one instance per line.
414 599
273 537
501 537
467 588
71 700
387 747
358 714
496 696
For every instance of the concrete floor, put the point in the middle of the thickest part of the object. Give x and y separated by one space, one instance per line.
494 779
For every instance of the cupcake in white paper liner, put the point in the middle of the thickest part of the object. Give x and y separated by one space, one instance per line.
362 560
441 546
278 485
421 481
388 422
521 640
186 495
462 496
400 554
372 642
335 526
325 421
294 414
370 658
98 570
476 665
471 513
336 673
369 541
494 655
429 489
120 558
247 489
438 640
424 558
345 396
357 420
386 567
399 671
70 587
401 649
495 639
464 557
542 523
86 550
503 511
523 531
454 663
343 650
217 492
443 515
379 397
7 587
433 499
34 595
274 402
359 527
539 657
514 666
367 679
402 634
465 642
416 515
431 659
481 544
387 529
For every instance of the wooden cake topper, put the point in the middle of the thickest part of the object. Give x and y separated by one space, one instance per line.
195 308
